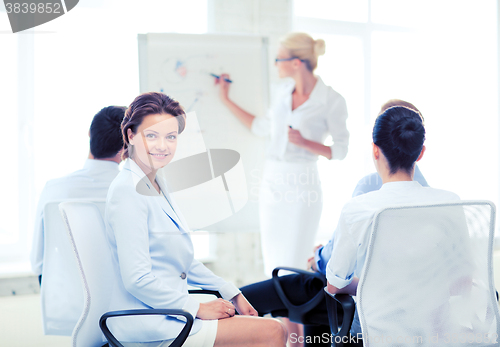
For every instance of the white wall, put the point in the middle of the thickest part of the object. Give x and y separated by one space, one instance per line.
239 257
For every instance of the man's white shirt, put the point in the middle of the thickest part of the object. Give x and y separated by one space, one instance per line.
91 182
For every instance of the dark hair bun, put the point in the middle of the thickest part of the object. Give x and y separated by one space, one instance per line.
400 134
407 136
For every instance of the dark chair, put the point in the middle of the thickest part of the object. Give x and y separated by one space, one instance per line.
315 321
340 327
301 313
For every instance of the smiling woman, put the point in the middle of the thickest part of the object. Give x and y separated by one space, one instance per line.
150 129
156 139
151 245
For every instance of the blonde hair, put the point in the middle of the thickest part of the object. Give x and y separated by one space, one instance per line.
304 47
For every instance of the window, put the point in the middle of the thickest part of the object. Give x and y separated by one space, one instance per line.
421 52
341 10
9 183
63 72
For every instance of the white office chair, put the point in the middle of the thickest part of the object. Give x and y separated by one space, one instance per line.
428 277
61 293
86 231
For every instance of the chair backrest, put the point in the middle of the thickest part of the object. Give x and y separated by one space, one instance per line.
61 293
86 230
428 277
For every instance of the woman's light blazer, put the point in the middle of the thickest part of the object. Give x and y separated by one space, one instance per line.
151 246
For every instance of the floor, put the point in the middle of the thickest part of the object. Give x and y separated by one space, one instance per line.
20 323
20 319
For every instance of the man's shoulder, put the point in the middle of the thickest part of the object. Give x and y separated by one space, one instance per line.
79 177
64 180
75 185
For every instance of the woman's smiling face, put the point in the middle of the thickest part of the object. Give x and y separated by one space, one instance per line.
155 141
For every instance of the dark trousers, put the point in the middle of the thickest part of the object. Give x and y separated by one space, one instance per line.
299 289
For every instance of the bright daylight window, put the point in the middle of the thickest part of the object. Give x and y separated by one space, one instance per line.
9 207
419 51
83 61
439 55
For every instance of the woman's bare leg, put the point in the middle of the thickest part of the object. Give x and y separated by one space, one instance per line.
295 330
246 331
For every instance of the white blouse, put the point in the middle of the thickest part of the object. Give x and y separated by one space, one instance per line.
323 114
91 182
352 235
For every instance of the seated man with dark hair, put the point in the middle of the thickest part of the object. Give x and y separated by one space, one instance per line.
91 182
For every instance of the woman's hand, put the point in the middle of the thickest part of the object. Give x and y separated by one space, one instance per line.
216 309
296 138
224 86
244 117
243 306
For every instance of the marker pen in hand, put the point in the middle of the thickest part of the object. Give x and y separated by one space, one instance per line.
225 79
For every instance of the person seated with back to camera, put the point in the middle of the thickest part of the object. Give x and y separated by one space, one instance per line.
398 137
368 183
373 181
398 143
91 182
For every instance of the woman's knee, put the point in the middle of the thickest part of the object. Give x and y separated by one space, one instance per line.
277 332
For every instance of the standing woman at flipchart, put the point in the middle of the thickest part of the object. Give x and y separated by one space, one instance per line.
304 112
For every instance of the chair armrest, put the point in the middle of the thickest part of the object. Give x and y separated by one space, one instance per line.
205 291
348 306
179 340
296 313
